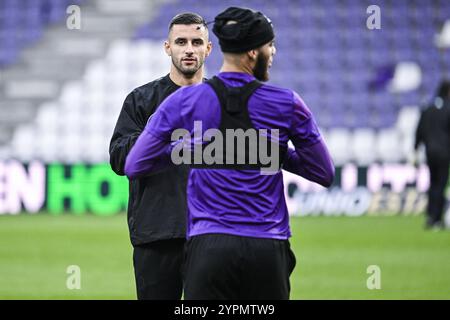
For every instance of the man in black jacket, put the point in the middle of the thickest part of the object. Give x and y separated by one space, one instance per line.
157 203
433 131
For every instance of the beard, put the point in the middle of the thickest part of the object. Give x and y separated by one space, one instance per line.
261 69
190 71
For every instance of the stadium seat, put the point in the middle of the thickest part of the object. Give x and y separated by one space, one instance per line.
387 146
338 140
362 143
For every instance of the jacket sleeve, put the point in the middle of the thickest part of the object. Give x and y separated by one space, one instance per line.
310 159
152 150
312 163
419 132
130 124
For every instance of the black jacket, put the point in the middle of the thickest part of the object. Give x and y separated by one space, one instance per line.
433 131
157 204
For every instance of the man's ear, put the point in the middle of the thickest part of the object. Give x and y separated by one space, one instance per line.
167 48
252 54
208 48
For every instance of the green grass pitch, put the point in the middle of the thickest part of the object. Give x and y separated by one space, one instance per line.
333 254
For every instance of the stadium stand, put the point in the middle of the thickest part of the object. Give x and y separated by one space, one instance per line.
38 76
64 88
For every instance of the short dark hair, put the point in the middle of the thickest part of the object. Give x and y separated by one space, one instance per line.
187 18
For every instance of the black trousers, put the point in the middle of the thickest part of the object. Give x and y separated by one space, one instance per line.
220 267
158 269
436 194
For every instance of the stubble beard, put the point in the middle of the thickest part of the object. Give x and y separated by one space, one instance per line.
187 72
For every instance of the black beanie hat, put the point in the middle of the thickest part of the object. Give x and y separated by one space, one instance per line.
251 30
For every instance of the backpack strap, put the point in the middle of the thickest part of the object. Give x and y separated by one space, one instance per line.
233 99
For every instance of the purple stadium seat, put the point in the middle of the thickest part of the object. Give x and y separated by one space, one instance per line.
324 50
23 23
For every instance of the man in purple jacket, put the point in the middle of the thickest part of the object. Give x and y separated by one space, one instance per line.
238 223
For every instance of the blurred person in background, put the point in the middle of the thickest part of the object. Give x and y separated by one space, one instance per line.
157 202
238 222
433 130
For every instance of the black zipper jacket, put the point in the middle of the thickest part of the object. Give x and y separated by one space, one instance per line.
433 131
157 204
